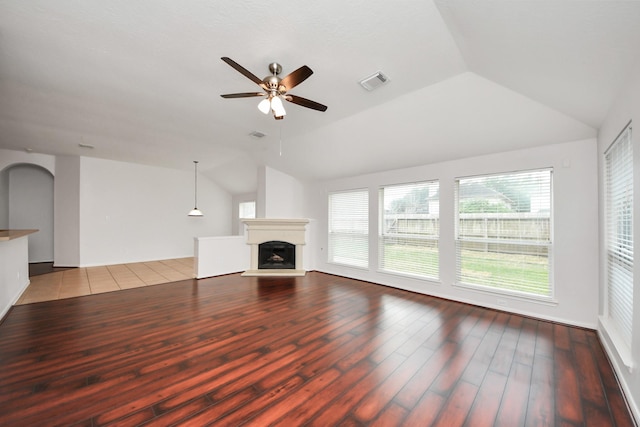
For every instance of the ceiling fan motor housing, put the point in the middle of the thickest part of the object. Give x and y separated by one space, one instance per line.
272 82
275 68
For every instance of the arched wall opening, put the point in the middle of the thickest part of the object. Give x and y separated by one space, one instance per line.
26 202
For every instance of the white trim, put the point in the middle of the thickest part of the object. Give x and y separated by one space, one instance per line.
522 296
622 350
631 403
528 313
15 299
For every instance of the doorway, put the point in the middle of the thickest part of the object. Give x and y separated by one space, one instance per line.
26 194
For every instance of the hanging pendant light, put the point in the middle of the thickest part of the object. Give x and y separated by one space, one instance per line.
195 211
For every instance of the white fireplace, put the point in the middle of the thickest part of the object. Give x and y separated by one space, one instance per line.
284 239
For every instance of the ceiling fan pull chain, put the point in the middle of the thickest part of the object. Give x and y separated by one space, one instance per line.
280 139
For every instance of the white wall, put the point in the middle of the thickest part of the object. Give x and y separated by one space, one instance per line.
575 247
625 108
131 212
14 272
4 199
215 256
31 207
66 210
9 159
112 212
12 157
279 195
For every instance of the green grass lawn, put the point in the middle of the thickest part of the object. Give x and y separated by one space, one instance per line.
419 260
526 273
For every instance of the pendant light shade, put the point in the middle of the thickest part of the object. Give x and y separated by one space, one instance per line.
195 211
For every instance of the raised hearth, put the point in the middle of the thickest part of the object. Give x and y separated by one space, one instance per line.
282 233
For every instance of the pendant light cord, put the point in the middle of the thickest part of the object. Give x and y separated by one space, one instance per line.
196 186
195 211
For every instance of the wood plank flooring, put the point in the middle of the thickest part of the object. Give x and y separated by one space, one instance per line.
318 350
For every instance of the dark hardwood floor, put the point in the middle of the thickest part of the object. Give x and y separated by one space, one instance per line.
318 350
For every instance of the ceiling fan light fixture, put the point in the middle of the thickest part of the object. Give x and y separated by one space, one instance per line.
264 106
277 107
275 88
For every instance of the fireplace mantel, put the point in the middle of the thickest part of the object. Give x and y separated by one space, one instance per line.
261 230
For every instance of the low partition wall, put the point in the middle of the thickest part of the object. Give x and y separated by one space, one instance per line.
214 256
14 270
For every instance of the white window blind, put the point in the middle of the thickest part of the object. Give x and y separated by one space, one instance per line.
619 199
409 229
349 228
503 232
247 210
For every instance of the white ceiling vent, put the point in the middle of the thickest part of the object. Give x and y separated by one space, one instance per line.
374 81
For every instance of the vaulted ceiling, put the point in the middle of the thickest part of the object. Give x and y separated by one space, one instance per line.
140 80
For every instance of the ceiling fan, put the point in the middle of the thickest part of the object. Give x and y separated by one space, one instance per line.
275 88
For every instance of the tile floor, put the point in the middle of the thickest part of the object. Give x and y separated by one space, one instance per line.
94 280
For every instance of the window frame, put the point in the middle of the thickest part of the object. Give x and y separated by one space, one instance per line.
362 233
621 334
548 244
415 237
240 217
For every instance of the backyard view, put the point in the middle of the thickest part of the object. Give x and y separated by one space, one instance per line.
521 272
503 231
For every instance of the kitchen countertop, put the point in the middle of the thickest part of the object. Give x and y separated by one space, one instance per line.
14 234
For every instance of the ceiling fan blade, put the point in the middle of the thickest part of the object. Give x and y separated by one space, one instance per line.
248 74
243 95
296 77
306 102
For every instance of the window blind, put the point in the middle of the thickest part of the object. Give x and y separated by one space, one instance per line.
247 210
349 228
409 229
503 232
619 205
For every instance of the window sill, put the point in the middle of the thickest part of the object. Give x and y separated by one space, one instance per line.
619 346
521 296
357 267
434 280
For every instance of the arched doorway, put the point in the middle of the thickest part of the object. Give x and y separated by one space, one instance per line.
26 194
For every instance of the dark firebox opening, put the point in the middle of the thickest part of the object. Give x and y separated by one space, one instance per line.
277 255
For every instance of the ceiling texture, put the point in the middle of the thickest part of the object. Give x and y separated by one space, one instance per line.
140 81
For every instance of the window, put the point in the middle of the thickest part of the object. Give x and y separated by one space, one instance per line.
503 232
409 229
349 228
246 210
619 218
